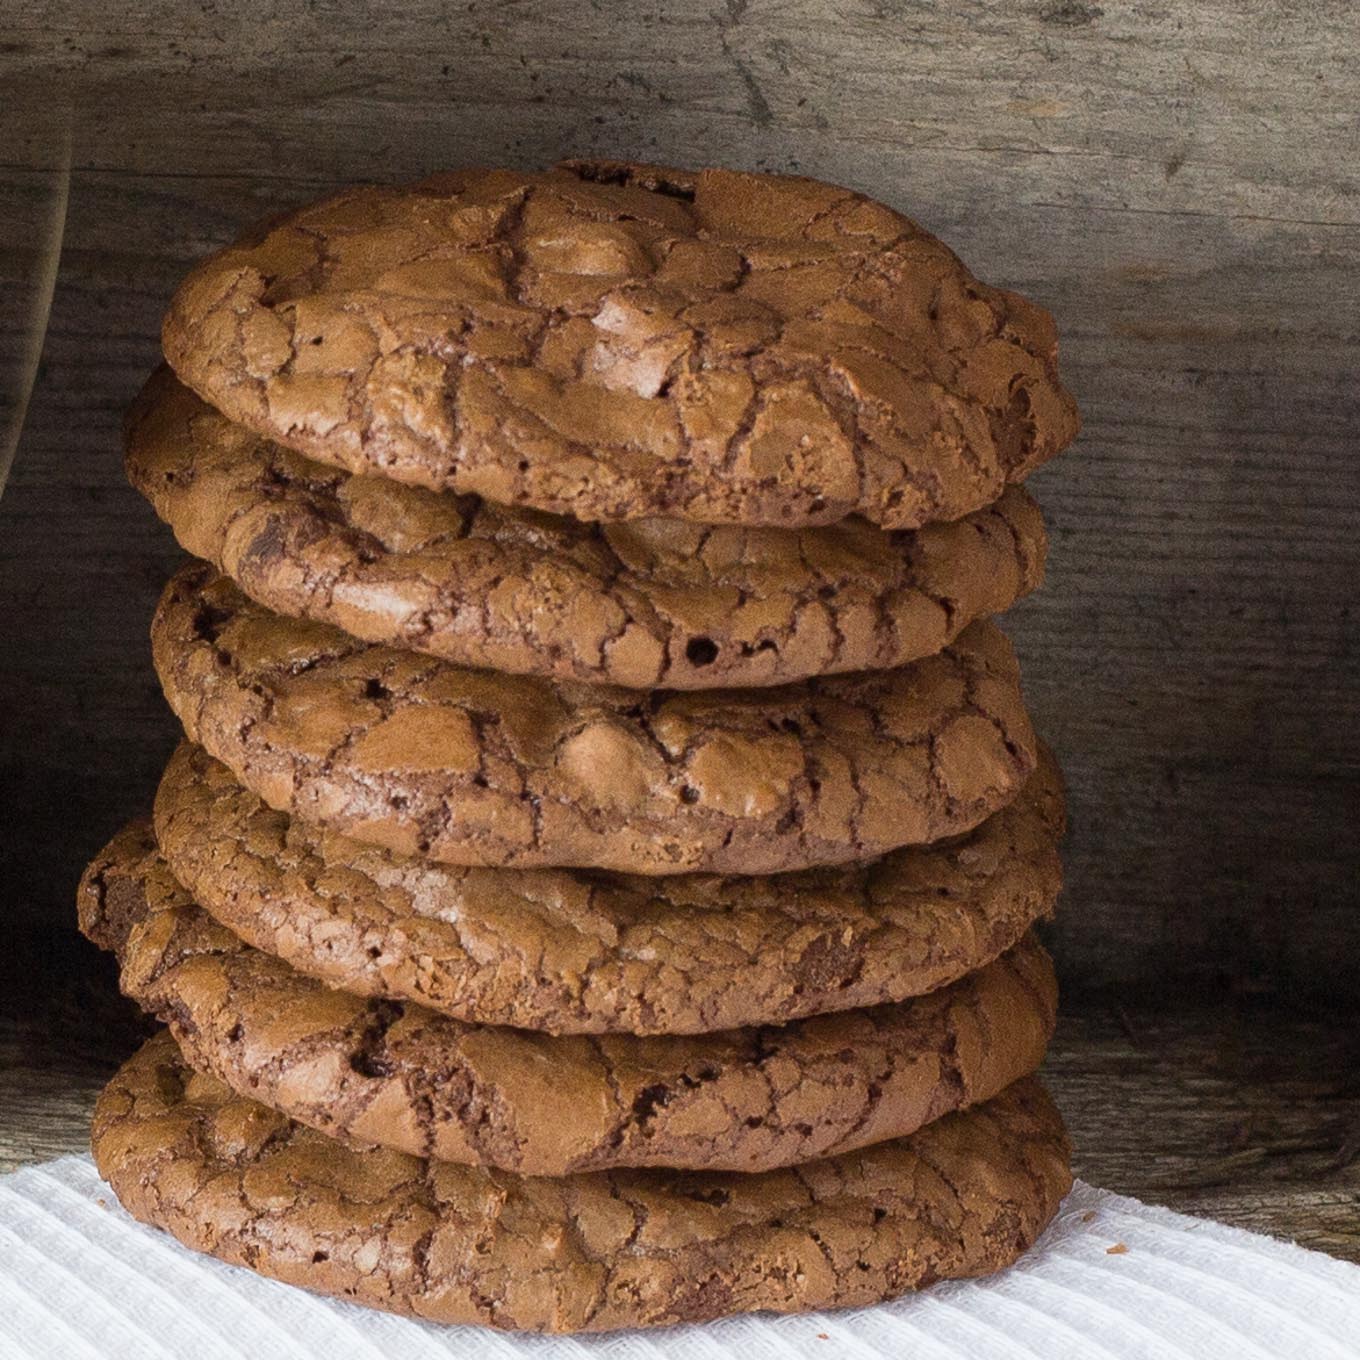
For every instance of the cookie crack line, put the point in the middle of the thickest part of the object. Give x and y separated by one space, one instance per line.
427 758
772 351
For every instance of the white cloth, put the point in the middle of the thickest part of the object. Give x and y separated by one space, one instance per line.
80 1280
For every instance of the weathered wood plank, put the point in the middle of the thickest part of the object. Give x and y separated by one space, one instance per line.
1181 184
1197 106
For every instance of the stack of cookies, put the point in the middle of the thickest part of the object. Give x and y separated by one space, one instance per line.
596 889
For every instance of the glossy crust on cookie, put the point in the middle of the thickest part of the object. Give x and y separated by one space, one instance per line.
616 341
648 603
965 1196
403 1077
576 951
473 767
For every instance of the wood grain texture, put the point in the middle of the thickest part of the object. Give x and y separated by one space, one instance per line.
1180 183
1208 1110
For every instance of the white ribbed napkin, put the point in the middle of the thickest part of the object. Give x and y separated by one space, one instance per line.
80 1280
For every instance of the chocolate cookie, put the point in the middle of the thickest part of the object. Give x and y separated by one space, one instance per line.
645 604
964 1196
471 767
570 951
404 1077
617 341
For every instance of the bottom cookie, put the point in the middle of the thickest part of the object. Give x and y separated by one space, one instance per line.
964 1196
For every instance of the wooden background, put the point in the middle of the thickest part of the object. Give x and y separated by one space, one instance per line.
1179 182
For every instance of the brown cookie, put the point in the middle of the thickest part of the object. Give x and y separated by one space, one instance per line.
645 604
471 767
571 951
616 341
401 1076
964 1196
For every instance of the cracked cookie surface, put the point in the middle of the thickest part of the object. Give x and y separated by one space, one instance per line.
399 1075
571 951
598 1251
616 341
472 767
644 604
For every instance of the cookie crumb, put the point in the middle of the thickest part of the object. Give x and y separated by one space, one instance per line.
1119 1249
822 1336
1089 1216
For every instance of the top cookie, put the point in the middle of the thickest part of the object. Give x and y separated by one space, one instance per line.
617 341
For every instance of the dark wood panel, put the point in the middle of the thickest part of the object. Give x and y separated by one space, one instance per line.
1180 183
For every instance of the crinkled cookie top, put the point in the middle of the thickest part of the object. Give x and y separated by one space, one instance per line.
615 341
470 767
580 951
400 1076
966 1195
648 603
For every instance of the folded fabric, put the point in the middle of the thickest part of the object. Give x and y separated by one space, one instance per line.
1112 1279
